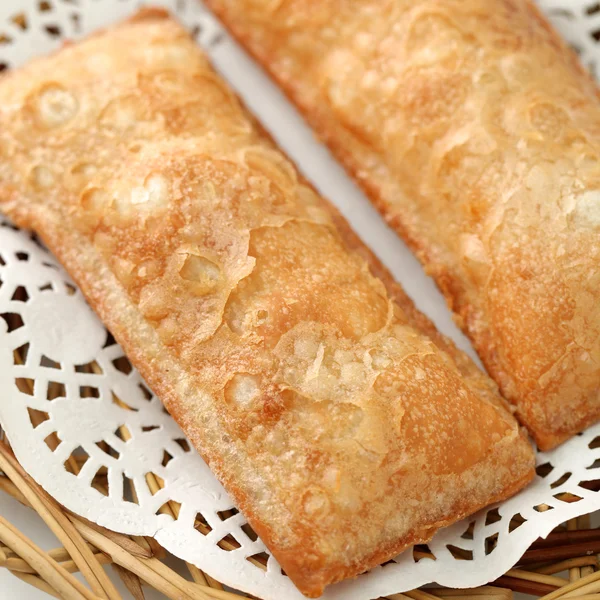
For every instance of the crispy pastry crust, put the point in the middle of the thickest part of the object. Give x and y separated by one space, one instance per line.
474 130
249 306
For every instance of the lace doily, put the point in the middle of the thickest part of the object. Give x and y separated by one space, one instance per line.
68 395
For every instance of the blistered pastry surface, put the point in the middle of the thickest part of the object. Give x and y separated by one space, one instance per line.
341 431
475 130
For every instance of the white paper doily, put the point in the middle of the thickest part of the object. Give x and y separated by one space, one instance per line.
74 370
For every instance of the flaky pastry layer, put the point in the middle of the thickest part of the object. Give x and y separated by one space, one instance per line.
341 430
475 131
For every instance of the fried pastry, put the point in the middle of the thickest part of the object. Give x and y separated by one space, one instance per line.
312 387
475 131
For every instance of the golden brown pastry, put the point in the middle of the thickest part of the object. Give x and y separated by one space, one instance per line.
476 132
342 432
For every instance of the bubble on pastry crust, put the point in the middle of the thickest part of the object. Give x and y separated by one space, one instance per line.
209 104
306 348
431 38
242 389
80 174
94 199
472 248
84 170
586 158
123 269
547 118
148 269
123 113
154 301
586 211
379 360
154 193
53 105
315 501
168 330
261 316
475 258
41 177
201 271
104 242
144 200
